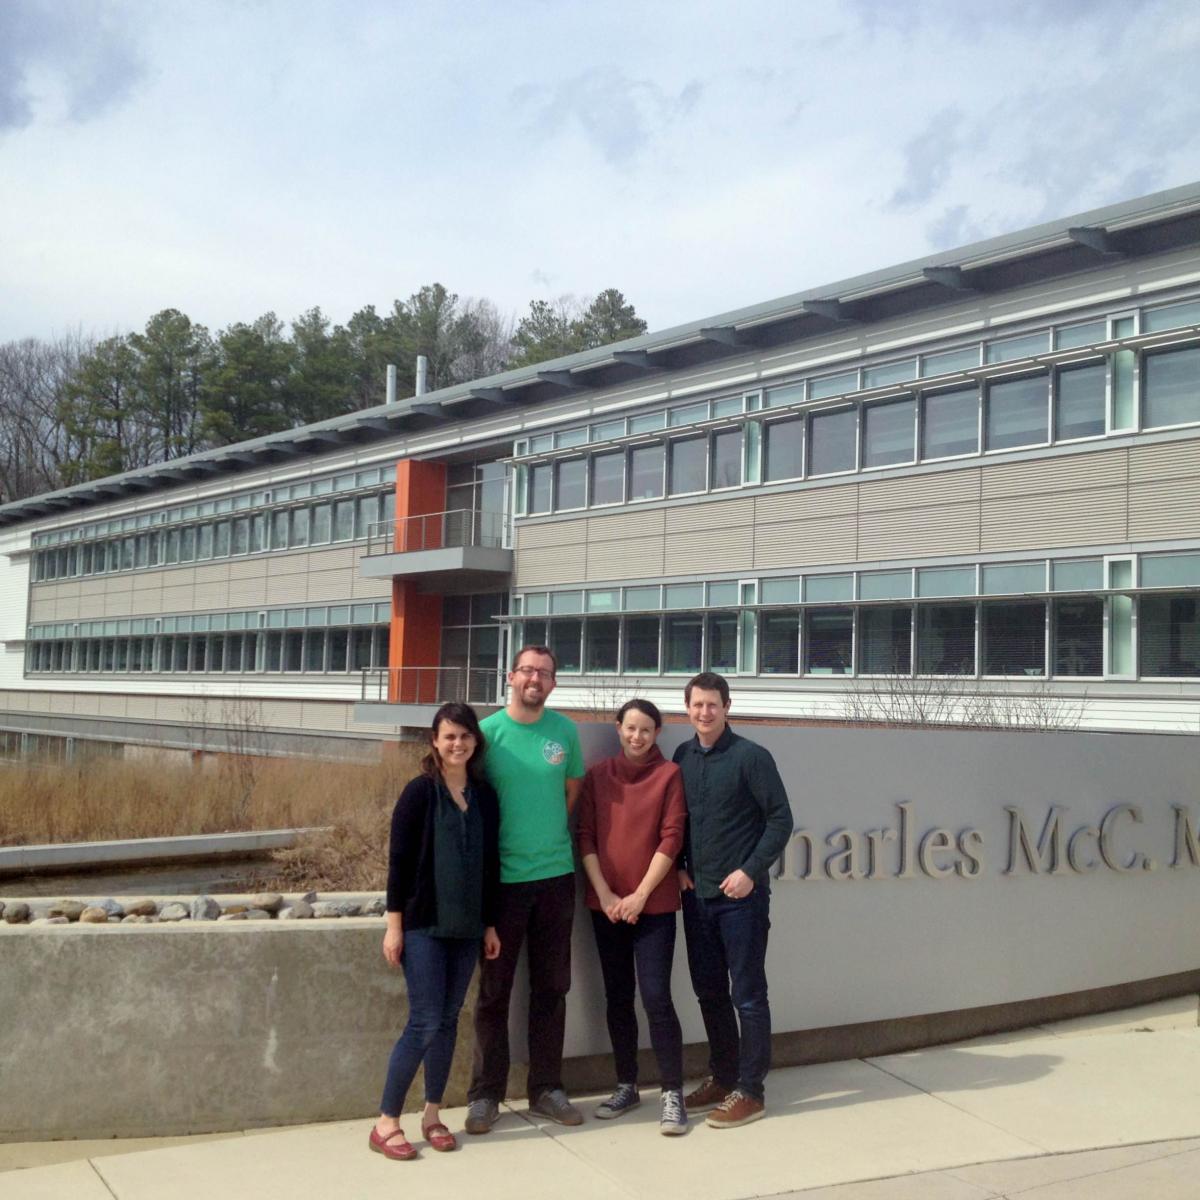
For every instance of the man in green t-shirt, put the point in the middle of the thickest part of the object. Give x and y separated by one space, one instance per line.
534 762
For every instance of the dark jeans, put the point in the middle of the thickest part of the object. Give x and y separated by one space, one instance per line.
438 972
648 946
727 945
543 910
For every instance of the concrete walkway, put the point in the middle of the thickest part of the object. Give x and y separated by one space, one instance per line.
1106 1108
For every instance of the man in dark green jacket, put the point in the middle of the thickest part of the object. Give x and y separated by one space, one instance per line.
739 822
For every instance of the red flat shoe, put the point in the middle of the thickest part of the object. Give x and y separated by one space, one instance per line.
439 1137
389 1147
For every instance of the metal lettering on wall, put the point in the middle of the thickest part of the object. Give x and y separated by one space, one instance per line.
1124 841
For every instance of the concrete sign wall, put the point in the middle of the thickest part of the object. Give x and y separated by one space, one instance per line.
936 871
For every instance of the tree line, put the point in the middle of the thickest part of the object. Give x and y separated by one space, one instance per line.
76 407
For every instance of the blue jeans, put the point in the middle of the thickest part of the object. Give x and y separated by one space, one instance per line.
727 954
648 946
438 973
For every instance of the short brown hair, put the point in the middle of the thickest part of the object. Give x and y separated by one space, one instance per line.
708 681
535 650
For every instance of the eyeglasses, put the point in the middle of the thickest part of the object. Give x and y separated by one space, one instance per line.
530 672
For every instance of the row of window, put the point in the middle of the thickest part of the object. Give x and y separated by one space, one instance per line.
308 651
316 524
913 368
1041 408
1066 637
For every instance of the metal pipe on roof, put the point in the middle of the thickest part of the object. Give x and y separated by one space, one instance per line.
391 383
422 375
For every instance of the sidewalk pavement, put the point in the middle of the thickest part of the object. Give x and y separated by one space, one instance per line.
1102 1108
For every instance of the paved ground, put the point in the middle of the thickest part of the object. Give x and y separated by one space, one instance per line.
1104 1108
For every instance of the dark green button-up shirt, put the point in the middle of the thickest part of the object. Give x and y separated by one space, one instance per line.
738 811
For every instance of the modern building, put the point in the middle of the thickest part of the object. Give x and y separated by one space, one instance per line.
964 487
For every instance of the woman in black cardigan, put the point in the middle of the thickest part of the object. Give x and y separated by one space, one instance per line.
443 876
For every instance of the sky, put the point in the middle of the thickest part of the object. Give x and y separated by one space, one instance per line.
233 157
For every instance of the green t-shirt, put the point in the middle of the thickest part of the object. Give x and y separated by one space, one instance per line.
529 766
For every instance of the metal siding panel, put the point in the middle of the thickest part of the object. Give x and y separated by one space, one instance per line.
552 533
329 559
710 514
247 568
704 552
212 573
913 491
1100 469
141 707
68 610
550 565
177 599
118 606
1164 510
111 706
1055 519
806 543
1167 460
287 589
370 589
630 524
246 592
211 595
934 529
324 586
41 608
630 559
809 502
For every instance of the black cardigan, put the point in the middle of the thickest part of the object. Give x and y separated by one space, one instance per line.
411 887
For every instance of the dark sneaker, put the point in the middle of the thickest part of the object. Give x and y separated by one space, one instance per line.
672 1114
554 1106
624 1099
481 1115
736 1109
708 1095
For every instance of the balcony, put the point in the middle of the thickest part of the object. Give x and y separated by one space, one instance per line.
461 550
411 695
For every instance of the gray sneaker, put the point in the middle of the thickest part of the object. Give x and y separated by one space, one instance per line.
481 1115
624 1099
672 1115
554 1106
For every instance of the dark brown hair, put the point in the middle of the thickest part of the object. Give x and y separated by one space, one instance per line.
536 650
456 714
708 681
642 706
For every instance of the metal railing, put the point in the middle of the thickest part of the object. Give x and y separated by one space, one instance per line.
434 685
438 531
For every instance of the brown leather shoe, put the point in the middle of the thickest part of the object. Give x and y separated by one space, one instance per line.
395 1145
736 1109
708 1095
439 1137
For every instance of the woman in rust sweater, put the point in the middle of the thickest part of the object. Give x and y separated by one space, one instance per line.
631 823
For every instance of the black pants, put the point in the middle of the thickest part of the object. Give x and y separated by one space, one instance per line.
543 910
647 947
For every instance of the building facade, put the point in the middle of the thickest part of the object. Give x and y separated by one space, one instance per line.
963 488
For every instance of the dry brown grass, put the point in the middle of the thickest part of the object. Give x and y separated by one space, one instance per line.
107 799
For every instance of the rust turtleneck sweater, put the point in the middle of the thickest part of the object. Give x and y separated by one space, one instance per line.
627 812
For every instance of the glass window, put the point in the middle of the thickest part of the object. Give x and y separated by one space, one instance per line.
832 442
689 465
565 640
1078 637
339 642
643 597
608 429
199 647
127 554
1009 578
1018 347
946 639
343 520
689 415
360 648
366 515
566 438
1014 637
604 600
187 544
889 433
1077 576
897 372
204 543
279 529
646 472
779 643
1017 412
723 593
780 396
608 478
949 361
1071 336
950 423
1173 316
641 644
141 551
1170 570
885 585
721 642
566 602
571 484
1079 399
233 651
241 535
603 640
259 532
314 650
1169 636
727 458
833 385
1172 388
885 640
683 634
300 527
946 581
647 422
683 595
828 641
824 588
781 591
320 524
216 653
728 407
785 449
221 540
